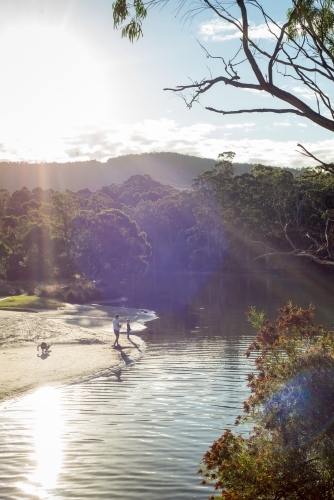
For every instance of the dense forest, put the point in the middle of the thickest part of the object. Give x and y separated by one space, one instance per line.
225 221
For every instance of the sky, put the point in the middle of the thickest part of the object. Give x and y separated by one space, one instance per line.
72 88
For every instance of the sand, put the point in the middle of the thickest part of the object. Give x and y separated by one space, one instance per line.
81 341
23 369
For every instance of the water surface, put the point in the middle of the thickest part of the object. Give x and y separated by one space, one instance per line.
142 435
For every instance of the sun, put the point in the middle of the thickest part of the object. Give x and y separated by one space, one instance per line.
52 82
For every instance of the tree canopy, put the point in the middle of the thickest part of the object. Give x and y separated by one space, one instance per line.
225 221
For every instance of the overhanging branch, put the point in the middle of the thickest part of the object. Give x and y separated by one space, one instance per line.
325 166
258 110
299 253
302 109
204 85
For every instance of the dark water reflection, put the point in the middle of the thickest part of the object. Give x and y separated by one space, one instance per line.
229 296
142 435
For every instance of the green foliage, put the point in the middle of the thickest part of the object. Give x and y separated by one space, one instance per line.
303 51
39 259
225 221
65 207
72 297
109 243
307 17
129 17
78 291
224 161
255 317
290 452
313 18
29 302
166 221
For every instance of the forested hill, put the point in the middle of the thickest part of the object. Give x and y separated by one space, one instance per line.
170 168
253 221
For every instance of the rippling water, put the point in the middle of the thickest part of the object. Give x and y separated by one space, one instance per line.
142 436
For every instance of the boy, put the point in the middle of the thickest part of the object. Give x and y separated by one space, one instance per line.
128 327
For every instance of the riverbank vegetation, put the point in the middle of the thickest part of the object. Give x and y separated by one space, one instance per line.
27 303
224 222
289 454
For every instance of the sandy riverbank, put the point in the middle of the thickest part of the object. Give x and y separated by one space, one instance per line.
81 339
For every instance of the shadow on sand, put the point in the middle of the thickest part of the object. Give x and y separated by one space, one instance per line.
44 355
127 361
134 344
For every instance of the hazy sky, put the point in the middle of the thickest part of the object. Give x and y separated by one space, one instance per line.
72 88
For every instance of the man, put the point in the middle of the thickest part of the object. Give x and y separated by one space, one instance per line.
117 326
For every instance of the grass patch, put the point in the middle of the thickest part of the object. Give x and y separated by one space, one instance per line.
18 309
29 302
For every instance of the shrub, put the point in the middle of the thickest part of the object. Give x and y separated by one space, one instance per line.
71 297
290 452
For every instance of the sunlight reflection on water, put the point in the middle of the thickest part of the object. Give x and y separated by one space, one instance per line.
46 427
141 436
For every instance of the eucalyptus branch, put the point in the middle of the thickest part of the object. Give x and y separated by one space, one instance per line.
276 51
329 237
298 253
326 166
318 245
258 110
303 48
310 29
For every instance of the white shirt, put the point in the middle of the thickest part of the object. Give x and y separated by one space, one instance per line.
116 324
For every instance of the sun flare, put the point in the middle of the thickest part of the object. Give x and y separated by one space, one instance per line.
53 82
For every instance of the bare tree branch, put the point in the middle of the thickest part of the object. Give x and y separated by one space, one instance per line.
299 253
264 85
259 110
209 83
329 237
325 166
303 50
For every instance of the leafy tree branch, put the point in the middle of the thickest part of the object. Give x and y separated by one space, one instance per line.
303 50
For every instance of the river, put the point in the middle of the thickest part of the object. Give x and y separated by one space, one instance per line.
142 435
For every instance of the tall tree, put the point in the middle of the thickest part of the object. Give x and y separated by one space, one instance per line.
38 262
109 243
64 209
303 51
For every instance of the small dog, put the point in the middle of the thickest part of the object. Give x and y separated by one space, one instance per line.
45 348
